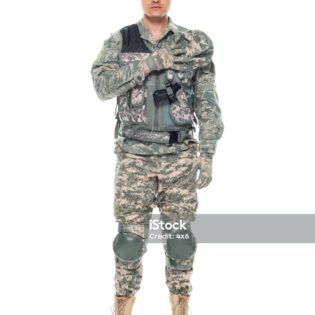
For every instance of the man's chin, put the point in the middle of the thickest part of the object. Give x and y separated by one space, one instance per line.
157 15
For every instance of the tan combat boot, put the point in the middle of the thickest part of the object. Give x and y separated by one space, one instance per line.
123 304
179 304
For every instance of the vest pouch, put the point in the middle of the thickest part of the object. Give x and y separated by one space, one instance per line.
122 106
131 106
136 104
181 111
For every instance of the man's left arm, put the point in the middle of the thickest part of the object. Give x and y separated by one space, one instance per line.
207 110
210 122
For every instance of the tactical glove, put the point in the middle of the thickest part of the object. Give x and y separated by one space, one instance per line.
187 51
167 58
203 163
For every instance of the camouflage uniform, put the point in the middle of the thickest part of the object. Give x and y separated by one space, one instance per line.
151 172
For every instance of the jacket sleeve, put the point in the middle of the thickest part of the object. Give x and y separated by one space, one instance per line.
207 109
109 78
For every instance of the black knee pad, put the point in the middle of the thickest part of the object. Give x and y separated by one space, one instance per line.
180 248
128 246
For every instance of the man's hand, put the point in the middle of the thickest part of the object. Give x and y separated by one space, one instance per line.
188 51
167 58
203 163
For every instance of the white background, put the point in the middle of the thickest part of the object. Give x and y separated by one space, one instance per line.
57 160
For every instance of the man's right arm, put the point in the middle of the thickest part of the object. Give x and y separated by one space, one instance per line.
109 78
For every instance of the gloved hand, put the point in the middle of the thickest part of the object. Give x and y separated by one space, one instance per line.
186 51
203 163
168 58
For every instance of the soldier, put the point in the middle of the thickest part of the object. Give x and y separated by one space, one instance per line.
164 79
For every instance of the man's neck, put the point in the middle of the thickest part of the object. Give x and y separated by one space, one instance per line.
156 25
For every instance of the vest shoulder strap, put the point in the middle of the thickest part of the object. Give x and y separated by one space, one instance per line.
131 40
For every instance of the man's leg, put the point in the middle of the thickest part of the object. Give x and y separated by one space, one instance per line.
135 188
177 200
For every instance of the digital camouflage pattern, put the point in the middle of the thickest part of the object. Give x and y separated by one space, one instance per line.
181 109
121 75
128 277
178 281
145 182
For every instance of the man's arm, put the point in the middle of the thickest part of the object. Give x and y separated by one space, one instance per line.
109 78
207 110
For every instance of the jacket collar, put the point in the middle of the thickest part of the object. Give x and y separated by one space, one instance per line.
146 34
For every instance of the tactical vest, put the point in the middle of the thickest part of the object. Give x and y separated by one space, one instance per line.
161 109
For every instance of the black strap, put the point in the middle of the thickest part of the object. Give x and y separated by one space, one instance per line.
174 136
131 40
168 94
171 90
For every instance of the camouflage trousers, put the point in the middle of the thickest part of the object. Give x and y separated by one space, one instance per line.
141 184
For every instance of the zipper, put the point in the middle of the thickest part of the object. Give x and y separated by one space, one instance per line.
155 107
156 110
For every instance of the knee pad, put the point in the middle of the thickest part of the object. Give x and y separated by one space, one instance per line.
180 248
128 246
